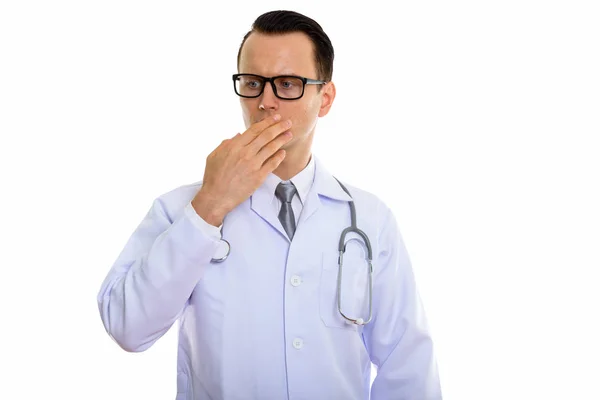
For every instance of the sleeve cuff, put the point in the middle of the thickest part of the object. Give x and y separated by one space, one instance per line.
211 231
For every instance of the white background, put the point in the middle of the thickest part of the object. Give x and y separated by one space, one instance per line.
477 122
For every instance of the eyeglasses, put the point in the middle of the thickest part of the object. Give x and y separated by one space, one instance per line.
285 87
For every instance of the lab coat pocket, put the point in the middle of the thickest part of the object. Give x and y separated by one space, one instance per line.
354 290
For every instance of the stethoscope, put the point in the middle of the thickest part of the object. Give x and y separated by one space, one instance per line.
342 249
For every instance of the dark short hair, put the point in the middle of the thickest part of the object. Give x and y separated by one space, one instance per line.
281 22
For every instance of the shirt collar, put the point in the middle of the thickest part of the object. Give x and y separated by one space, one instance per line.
303 181
323 184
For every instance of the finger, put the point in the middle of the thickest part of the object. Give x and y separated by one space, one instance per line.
272 163
256 128
268 135
273 146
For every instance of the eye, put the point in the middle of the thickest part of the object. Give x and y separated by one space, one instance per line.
289 83
253 84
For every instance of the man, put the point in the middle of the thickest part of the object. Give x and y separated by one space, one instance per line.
262 314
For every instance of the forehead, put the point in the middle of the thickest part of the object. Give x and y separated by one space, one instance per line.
278 54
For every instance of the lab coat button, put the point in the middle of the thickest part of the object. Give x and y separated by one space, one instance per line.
296 280
298 343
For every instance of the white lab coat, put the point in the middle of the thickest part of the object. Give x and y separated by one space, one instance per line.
264 323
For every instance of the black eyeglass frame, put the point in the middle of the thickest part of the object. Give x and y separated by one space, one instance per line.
271 80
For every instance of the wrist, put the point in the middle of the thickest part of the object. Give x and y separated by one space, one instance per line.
208 209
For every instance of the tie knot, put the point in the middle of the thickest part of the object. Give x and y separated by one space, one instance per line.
285 192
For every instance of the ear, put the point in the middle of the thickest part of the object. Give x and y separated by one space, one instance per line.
327 96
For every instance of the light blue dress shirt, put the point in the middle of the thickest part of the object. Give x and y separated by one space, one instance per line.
264 323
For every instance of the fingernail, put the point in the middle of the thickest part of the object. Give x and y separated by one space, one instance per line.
277 117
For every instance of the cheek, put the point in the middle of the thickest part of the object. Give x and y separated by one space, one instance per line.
305 117
247 113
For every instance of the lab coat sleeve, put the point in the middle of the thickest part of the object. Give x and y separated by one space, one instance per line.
153 277
398 338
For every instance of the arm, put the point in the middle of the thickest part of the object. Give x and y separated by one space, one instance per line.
152 279
151 282
397 339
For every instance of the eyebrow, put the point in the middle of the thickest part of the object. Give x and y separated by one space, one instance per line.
279 74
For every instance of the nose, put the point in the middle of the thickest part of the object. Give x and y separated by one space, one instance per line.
268 100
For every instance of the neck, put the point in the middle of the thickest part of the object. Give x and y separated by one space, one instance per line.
296 159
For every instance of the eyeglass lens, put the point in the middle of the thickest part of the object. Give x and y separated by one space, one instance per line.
287 87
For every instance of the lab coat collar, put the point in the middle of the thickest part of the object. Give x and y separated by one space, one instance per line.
324 184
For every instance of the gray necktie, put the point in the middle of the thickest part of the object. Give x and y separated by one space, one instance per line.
285 192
